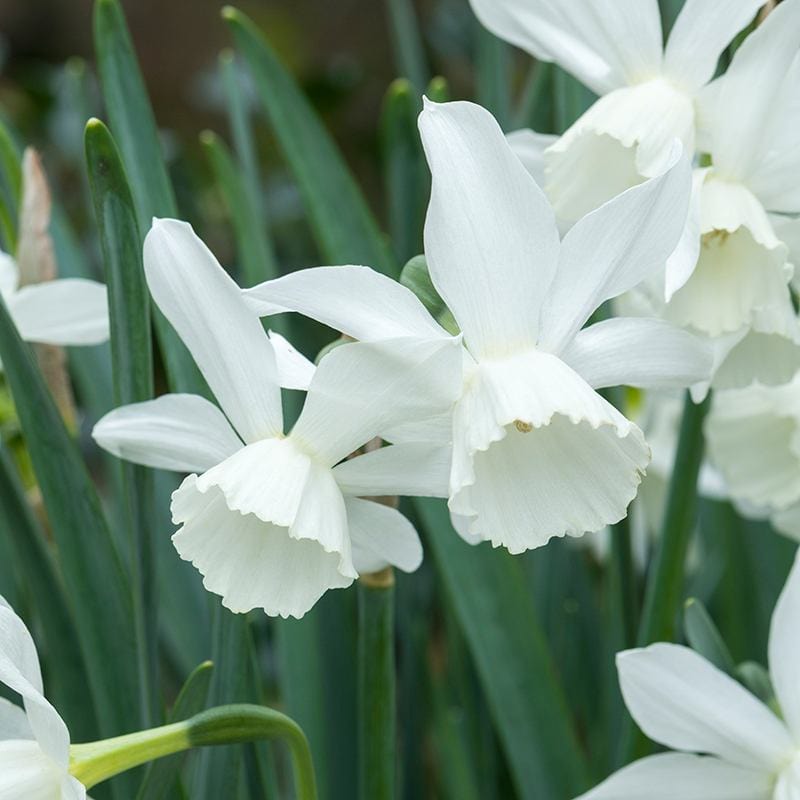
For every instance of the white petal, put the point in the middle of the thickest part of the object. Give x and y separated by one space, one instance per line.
19 670
680 776
627 136
753 437
437 429
181 432
250 563
700 34
648 353
784 649
787 522
27 773
70 311
225 338
537 453
9 274
613 249
295 371
683 260
603 44
787 229
356 301
490 235
769 359
13 722
382 537
744 103
529 148
414 469
741 277
682 701
364 388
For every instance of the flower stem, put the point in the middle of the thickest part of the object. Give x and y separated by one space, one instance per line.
376 686
97 761
663 595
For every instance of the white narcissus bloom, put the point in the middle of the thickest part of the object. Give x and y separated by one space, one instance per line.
753 437
537 452
647 90
683 702
273 521
34 742
66 311
749 120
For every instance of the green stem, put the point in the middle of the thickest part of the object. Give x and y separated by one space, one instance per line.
625 579
376 686
97 761
665 585
662 602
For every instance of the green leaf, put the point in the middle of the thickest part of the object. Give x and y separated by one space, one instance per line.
256 262
758 681
415 276
498 620
342 223
96 581
570 97
129 308
264 264
377 699
134 127
32 558
406 177
409 52
535 105
162 774
10 188
703 636
493 75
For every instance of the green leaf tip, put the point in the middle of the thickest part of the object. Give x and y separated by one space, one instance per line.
400 87
208 137
230 13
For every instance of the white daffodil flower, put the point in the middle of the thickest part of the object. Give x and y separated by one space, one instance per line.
66 311
537 452
647 90
685 703
273 521
34 741
748 120
753 437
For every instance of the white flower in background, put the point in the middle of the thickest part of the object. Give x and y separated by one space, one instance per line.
753 437
274 521
34 742
683 702
537 452
647 90
749 120
66 311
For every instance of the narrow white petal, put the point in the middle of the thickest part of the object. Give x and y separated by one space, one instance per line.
381 537
771 359
490 235
19 670
784 649
613 249
683 260
364 388
603 44
413 469
682 701
753 437
537 453
9 274
680 776
27 773
13 722
529 148
744 103
295 371
700 34
437 429
357 301
70 311
225 338
250 563
181 432
648 353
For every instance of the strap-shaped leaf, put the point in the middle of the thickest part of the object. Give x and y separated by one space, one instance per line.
345 230
495 612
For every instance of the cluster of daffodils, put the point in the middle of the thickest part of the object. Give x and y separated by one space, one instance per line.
503 418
